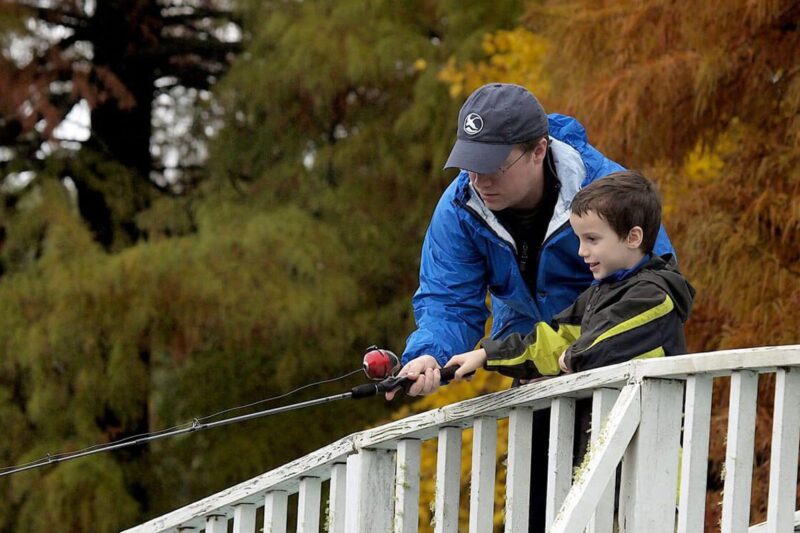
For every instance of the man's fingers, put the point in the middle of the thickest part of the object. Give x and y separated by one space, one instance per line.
419 385
430 381
425 377
432 377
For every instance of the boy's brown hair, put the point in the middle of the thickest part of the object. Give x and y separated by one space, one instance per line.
623 199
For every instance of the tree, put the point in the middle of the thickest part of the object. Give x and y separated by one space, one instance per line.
246 309
349 121
122 57
662 85
299 250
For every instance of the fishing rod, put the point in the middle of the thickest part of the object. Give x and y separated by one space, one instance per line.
379 365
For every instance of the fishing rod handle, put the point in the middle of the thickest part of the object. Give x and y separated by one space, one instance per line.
396 382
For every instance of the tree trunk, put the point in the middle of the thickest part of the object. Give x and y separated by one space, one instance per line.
121 129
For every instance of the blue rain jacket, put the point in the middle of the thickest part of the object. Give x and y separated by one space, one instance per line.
467 251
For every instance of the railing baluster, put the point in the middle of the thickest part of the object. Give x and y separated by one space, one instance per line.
484 461
603 519
559 458
244 518
604 457
337 498
407 486
370 497
650 467
308 503
739 452
448 480
785 444
518 477
275 507
694 461
217 523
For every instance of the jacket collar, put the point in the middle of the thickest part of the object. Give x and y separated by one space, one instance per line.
571 173
624 273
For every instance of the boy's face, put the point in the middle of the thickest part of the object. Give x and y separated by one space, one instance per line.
602 249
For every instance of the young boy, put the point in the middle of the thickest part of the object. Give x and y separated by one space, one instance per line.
635 307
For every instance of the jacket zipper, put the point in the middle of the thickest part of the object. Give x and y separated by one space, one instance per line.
541 248
523 257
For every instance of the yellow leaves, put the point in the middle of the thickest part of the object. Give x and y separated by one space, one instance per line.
706 162
513 56
703 165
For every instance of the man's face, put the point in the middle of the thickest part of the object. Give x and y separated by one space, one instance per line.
519 183
601 248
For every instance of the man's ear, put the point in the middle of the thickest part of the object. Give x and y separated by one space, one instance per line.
635 237
540 150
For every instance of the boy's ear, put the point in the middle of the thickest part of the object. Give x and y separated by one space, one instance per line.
635 237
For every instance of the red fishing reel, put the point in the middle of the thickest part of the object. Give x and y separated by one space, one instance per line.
380 364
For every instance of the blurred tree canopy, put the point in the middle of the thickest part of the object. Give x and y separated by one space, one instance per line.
129 64
290 248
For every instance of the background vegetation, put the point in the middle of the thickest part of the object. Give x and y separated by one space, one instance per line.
246 212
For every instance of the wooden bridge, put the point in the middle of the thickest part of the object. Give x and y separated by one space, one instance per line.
653 417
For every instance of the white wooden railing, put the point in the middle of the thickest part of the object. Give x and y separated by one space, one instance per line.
639 409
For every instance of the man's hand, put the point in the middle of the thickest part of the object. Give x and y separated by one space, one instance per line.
424 371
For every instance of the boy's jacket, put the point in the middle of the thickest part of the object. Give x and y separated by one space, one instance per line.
611 322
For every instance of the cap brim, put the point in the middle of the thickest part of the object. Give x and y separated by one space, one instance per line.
483 158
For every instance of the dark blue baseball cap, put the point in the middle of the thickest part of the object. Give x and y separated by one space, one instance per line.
492 120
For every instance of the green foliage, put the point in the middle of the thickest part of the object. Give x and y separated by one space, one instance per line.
86 495
337 107
243 310
299 250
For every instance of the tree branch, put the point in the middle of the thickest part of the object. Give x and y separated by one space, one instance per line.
61 17
207 48
199 14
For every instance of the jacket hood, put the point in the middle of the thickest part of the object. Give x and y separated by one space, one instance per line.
663 271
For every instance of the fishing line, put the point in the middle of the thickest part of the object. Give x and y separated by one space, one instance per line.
194 425
278 397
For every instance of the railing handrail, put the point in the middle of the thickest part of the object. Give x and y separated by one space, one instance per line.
425 426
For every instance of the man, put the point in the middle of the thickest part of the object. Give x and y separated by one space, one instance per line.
503 226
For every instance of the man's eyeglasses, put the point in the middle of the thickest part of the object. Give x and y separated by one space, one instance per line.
504 169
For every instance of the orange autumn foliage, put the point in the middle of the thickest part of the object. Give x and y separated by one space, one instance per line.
705 99
667 87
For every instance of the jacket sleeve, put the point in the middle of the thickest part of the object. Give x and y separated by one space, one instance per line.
450 304
537 353
632 328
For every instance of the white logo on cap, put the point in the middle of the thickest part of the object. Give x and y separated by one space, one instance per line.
473 124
